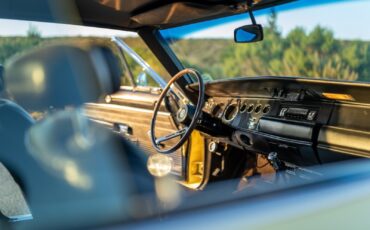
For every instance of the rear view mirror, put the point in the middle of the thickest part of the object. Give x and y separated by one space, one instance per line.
248 33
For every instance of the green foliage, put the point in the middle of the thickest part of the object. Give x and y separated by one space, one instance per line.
141 49
11 46
33 32
315 54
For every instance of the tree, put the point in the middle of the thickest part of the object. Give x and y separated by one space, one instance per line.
33 32
272 23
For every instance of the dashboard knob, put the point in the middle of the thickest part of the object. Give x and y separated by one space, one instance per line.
213 147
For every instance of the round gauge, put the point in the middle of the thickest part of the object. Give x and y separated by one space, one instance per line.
230 112
216 110
250 108
243 107
258 109
266 109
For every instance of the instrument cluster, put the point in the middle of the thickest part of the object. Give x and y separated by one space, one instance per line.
240 113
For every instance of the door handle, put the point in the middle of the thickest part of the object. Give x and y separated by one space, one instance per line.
122 129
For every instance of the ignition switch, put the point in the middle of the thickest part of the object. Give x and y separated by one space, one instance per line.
213 147
217 148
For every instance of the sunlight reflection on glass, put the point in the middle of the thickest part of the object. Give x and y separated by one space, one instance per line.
75 176
62 156
38 78
168 192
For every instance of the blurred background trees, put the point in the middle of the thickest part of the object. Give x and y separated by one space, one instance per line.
10 46
315 54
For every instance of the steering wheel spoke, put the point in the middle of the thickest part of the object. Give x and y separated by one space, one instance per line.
171 136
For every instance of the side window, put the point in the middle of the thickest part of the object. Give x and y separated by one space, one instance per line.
17 36
140 77
15 43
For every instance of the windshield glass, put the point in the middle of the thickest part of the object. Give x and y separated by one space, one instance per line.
314 39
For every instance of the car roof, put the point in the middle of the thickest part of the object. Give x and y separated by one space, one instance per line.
126 14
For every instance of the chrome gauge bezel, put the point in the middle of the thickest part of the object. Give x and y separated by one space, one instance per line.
235 113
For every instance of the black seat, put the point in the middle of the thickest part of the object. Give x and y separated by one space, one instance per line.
48 190
14 122
67 182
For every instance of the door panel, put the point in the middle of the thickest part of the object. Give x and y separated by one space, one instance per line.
130 113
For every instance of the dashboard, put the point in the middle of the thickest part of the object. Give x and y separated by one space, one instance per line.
304 121
271 125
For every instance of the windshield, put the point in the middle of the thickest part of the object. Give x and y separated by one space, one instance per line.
314 39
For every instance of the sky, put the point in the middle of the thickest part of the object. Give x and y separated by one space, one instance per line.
20 28
348 20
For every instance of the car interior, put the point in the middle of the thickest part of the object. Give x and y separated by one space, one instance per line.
105 153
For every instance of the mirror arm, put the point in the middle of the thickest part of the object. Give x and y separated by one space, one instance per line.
249 4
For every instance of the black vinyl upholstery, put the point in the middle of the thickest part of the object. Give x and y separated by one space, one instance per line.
117 175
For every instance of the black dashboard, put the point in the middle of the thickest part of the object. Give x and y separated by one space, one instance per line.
305 121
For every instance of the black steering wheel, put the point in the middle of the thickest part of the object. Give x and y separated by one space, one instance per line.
182 115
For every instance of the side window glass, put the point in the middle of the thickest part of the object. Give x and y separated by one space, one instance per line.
139 75
17 36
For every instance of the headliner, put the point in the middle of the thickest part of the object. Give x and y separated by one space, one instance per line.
126 14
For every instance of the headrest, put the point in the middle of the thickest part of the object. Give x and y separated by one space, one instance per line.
60 75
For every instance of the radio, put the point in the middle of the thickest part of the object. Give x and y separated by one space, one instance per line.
298 113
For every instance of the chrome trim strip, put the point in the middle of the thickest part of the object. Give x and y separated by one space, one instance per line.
121 44
126 108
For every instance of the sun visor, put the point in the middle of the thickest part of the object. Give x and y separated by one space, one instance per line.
178 13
